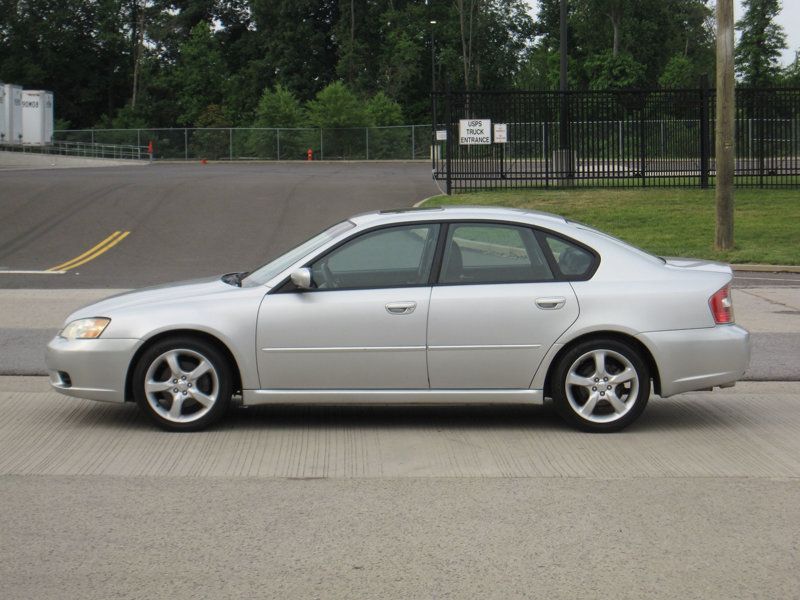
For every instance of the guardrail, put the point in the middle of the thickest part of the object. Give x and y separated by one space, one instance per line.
82 150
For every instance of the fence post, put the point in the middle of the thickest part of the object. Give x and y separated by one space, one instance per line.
366 137
230 143
448 101
705 146
321 153
413 144
278 141
139 138
92 137
642 141
185 144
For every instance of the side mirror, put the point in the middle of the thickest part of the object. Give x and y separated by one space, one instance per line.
301 278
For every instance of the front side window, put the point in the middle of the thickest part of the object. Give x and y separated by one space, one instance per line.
392 257
492 253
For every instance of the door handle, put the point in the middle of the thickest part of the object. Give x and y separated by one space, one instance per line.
401 308
552 303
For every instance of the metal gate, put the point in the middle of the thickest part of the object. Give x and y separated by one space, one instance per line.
639 138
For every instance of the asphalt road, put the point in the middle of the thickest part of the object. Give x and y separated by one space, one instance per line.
185 220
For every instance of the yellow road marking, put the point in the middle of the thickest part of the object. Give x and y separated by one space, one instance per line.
93 252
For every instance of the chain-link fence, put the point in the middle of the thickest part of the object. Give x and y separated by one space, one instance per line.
403 142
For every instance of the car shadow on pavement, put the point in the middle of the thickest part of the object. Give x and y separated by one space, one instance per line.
660 415
392 416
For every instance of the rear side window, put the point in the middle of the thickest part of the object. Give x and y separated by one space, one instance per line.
572 260
477 253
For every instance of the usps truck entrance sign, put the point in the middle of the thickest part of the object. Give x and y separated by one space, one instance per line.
474 131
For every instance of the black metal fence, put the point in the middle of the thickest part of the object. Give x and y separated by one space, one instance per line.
610 139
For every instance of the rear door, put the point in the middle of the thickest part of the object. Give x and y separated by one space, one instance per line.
497 308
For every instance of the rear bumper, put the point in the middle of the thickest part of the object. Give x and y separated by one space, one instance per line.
696 359
93 369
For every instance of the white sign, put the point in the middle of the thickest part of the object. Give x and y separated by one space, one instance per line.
500 133
474 131
441 135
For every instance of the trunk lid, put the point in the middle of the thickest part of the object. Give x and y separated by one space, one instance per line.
696 264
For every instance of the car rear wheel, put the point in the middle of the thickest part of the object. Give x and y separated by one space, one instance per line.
183 384
601 385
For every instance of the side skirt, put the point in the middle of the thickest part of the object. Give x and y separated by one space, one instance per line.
358 396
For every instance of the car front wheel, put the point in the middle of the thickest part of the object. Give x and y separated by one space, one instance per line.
183 384
601 385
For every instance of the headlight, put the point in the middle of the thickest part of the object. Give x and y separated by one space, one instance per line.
85 329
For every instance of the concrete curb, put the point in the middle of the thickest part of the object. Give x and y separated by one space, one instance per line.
767 268
423 201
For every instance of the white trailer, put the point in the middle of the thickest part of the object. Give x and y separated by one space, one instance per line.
12 114
37 117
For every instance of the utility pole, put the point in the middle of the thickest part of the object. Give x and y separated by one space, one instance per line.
562 158
726 114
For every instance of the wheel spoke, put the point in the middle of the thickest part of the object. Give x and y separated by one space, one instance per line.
177 406
202 398
627 375
618 405
153 387
174 365
200 370
574 379
599 363
588 408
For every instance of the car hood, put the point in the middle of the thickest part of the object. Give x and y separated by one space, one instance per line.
170 292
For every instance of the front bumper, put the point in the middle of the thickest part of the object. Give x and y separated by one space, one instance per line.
696 359
93 369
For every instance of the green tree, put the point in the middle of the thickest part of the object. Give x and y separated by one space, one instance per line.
198 76
609 72
678 73
383 111
279 108
297 42
791 74
74 48
337 106
760 44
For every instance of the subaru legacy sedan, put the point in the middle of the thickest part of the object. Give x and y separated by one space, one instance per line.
426 306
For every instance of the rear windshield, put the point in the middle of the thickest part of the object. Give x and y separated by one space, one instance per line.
616 240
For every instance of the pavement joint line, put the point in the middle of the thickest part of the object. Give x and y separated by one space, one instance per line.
26 272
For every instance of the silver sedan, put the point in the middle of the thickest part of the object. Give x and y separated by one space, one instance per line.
456 305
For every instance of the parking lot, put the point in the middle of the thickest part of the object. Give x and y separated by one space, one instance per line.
699 498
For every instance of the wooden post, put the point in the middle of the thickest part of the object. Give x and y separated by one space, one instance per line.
726 113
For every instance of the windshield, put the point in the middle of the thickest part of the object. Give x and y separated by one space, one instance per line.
263 274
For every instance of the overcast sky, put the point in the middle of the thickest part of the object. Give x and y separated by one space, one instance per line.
789 19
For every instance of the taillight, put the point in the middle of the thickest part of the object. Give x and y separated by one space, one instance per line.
722 306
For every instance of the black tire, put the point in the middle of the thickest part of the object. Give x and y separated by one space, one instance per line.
201 402
607 405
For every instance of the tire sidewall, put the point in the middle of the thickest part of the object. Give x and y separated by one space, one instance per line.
212 354
561 403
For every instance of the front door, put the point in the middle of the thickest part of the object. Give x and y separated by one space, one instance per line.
497 309
363 326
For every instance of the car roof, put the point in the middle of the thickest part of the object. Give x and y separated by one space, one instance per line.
439 213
